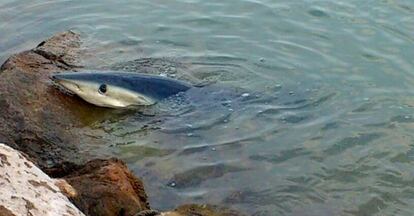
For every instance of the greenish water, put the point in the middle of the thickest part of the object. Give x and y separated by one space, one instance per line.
311 112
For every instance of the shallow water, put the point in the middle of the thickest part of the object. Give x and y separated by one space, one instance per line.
309 111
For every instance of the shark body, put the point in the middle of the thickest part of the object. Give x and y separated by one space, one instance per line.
119 89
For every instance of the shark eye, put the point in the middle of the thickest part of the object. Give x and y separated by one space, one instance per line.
102 89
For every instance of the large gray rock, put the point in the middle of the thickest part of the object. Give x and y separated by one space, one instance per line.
26 190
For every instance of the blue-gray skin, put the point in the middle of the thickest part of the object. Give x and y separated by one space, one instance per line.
119 89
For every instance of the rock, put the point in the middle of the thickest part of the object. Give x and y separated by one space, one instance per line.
61 48
148 213
36 118
26 190
195 177
28 121
201 210
107 187
49 127
66 188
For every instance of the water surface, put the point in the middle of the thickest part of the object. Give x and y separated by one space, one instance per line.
308 111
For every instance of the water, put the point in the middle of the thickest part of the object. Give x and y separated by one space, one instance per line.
310 111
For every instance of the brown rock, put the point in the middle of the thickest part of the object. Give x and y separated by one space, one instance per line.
36 118
48 126
66 188
5 211
202 210
107 187
61 48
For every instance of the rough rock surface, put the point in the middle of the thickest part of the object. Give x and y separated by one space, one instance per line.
29 110
36 118
62 48
26 190
107 187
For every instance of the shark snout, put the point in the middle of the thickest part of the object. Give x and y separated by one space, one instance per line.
62 81
55 77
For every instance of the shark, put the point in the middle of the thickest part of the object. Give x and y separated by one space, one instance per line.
114 89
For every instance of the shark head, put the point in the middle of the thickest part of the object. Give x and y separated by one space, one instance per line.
118 89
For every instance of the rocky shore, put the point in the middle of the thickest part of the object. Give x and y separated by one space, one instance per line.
40 127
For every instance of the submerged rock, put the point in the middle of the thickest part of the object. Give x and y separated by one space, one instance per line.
26 190
195 177
202 210
107 187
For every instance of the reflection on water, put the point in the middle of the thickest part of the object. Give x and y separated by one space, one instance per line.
305 106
